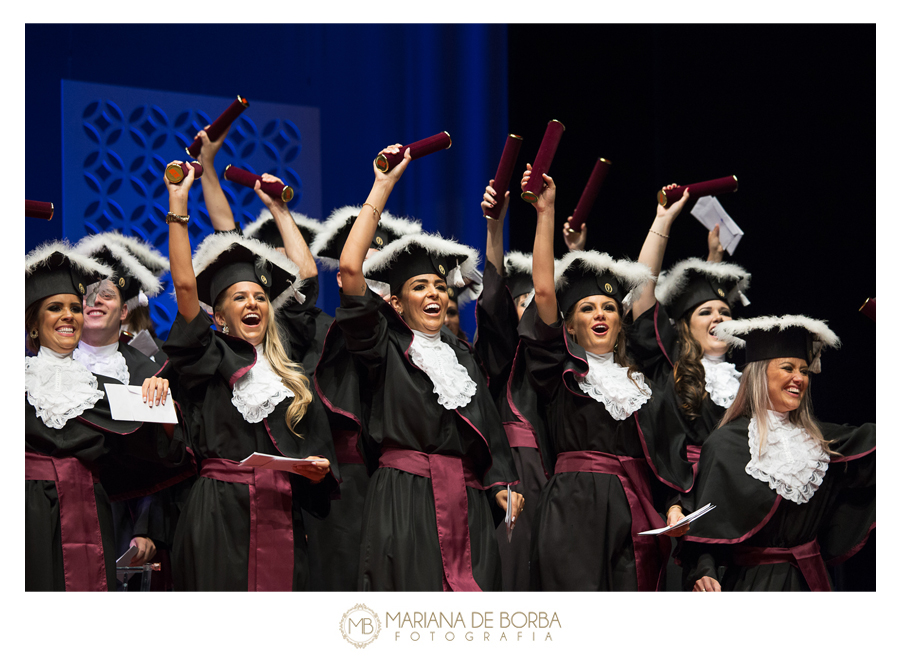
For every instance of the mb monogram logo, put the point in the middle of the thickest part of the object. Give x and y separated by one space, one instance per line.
360 626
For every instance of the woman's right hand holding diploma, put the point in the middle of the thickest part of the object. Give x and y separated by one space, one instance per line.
178 192
575 240
391 177
210 148
546 197
665 216
490 200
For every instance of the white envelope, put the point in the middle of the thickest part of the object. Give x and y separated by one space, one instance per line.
126 403
710 212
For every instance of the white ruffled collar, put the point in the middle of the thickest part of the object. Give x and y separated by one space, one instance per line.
58 387
792 463
103 360
722 379
452 383
608 382
259 390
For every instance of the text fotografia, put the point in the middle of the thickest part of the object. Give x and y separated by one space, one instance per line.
478 626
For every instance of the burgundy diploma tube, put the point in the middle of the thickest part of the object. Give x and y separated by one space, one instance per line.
39 209
387 161
589 195
706 188
868 309
543 159
247 179
178 171
505 172
218 126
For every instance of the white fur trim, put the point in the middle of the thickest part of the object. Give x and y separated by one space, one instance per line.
731 330
674 281
40 255
338 219
265 215
518 263
472 290
634 275
147 281
150 257
433 244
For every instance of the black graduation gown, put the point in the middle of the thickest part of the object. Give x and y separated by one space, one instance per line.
212 540
334 540
365 373
129 458
839 515
584 537
496 341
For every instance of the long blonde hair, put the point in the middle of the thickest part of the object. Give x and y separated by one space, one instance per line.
291 373
752 401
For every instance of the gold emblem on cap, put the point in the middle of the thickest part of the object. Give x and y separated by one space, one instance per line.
607 287
121 281
262 277
441 269
721 294
450 292
81 288
379 240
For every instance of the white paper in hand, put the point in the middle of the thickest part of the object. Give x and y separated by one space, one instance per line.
125 560
710 212
690 517
276 462
126 403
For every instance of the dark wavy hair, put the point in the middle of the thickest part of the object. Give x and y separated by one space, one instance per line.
690 376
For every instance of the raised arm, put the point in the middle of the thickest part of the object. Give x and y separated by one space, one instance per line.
295 246
220 214
655 247
494 248
357 245
542 256
182 269
716 250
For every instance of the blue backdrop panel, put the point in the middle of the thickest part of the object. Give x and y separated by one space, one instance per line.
117 141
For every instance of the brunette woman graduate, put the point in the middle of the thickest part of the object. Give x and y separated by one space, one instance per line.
431 436
241 528
76 455
673 338
573 383
791 493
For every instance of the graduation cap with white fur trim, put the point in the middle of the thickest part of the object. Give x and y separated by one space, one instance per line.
130 276
422 253
264 228
329 242
149 257
518 273
694 281
581 274
771 337
223 259
55 268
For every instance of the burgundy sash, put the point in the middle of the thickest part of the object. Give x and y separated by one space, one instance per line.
633 473
84 567
519 435
449 478
345 447
805 557
271 555
693 453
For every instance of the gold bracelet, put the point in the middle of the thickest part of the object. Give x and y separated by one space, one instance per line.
177 219
374 209
659 234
